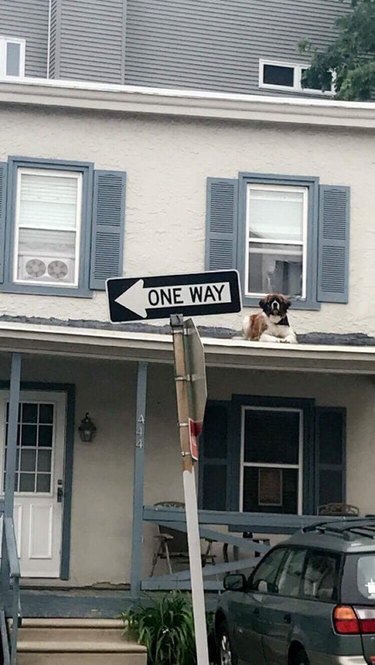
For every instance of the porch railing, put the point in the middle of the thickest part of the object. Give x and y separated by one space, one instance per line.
236 522
10 607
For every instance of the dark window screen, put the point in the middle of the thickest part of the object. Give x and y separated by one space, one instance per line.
271 436
278 75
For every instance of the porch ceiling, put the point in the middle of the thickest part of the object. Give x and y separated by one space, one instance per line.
157 348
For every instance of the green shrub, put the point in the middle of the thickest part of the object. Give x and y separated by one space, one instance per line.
165 627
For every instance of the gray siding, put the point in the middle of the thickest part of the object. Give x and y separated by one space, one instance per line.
216 44
28 19
89 40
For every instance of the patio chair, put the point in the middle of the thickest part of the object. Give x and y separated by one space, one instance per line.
172 545
339 510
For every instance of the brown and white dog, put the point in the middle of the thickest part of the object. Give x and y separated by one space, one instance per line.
272 324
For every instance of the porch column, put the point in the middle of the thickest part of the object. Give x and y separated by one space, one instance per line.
10 467
138 482
14 399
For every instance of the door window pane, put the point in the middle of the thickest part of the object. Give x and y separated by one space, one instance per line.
321 576
43 482
27 482
34 447
290 576
265 575
28 460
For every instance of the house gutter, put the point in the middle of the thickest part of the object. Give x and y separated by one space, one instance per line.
125 99
236 353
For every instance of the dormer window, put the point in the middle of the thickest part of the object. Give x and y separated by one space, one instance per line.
287 76
12 57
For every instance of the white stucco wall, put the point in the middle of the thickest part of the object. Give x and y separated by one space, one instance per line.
103 470
168 161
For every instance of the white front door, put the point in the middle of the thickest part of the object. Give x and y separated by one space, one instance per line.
39 468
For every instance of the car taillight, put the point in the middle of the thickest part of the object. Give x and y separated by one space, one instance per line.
348 620
345 620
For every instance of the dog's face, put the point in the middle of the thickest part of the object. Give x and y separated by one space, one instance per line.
275 306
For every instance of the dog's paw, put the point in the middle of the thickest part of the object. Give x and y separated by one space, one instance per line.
289 340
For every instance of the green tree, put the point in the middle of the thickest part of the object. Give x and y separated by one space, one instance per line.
351 56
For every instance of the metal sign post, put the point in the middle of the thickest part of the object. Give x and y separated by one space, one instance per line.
182 379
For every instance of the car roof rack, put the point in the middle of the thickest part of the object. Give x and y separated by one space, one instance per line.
347 528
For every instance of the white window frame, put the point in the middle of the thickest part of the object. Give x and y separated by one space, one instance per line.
265 465
297 78
50 173
298 243
4 41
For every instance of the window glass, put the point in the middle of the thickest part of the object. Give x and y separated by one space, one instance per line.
290 574
264 577
366 576
321 576
271 436
271 460
278 75
13 59
277 222
34 447
48 219
276 213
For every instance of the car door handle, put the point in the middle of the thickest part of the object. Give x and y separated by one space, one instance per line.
287 618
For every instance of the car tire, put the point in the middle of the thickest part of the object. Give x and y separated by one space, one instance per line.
301 658
226 654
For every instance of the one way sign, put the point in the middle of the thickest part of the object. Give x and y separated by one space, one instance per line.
158 297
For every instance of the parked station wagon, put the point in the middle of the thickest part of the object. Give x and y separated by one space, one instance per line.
310 601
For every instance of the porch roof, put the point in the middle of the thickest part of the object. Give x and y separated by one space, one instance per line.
234 352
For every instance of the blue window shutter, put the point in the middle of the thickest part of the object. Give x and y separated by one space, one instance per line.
3 202
330 428
333 254
108 227
213 457
222 222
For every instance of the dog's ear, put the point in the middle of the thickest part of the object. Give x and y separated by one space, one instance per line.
287 303
262 304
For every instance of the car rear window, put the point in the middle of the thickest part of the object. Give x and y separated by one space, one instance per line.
358 582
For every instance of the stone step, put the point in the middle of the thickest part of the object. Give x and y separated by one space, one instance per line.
81 659
76 642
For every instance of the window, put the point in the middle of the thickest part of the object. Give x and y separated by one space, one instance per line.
267 455
277 239
48 223
264 577
34 448
61 226
271 460
285 233
290 576
286 76
321 576
12 57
